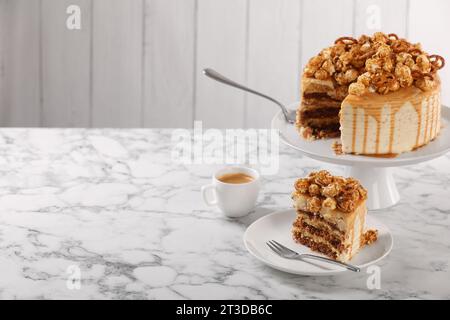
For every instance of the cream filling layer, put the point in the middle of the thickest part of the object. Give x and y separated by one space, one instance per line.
318 239
322 225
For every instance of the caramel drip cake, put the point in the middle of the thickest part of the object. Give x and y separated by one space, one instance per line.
379 94
331 215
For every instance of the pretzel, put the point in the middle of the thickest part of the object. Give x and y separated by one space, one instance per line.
400 46
414 51
437 62
393 35
346 40
380 63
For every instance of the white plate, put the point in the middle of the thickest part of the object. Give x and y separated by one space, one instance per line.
322 149
277 226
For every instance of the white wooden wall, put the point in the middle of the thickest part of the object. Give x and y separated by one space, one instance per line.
137 63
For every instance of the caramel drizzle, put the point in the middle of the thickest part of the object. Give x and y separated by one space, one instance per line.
391 129
354 129
427 115
366 124
419 114
438 114
371 107
377 140
368 101
434 117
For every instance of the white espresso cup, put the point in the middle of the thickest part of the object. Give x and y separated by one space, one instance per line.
233 199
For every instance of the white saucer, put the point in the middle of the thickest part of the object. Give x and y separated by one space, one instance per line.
277 226
322 149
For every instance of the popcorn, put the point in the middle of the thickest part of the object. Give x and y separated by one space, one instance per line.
381 63
323 178
314 204
321 74
388 64
357 88
345 205
425 84
380 37
327 191
328 67
402 57
310 70
302 186
314 189
346 58
373 65
394 85
350 75
332 190
329 203
316 61
403 74
423 64
384 51
364 79
365 47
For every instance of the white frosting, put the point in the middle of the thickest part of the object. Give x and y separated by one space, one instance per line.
360 127
405 128
422 121
346 128
385 128
371 140
407 125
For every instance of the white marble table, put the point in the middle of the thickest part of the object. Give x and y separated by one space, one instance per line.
111 205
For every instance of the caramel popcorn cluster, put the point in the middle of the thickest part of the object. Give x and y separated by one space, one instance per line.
331 192
381 63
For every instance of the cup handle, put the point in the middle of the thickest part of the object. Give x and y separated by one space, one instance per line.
208 201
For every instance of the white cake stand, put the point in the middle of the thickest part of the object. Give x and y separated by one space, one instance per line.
374 173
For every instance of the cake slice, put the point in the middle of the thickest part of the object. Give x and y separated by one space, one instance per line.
318 114
331 214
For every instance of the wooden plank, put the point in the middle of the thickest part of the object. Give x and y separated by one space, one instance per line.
117 63
273 57
221 45
65 65
429 25
380 15
169 63
323 22
21 64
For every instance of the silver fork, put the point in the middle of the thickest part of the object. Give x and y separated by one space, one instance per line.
287 253
289 115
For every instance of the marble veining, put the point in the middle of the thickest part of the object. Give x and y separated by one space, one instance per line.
112 204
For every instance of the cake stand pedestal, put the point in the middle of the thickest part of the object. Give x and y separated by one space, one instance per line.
379 183
374 173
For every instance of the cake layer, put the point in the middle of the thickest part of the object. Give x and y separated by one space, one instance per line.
328 123
320 223
315 95
321 234
323 112
311 132
315 103
315 246
390 124
315 86
337 248
318 114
